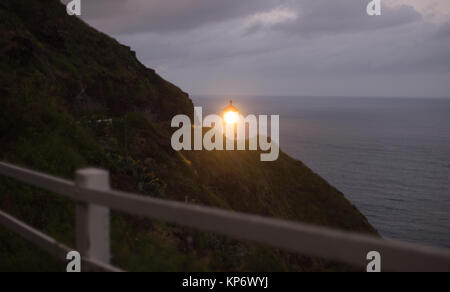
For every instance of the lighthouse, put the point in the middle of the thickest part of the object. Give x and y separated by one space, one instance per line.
231 114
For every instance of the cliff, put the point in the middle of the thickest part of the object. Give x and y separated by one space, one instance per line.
58 76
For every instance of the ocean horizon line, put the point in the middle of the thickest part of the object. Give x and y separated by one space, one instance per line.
312 96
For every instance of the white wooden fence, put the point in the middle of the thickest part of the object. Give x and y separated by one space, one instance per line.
94 199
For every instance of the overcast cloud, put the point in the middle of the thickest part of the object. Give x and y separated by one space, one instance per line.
286 47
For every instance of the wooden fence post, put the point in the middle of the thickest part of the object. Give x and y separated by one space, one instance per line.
92 221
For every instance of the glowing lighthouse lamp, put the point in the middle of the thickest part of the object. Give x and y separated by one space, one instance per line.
231 114
231 119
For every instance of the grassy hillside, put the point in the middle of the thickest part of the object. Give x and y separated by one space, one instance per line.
57 77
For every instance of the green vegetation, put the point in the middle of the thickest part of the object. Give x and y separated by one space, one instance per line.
58 78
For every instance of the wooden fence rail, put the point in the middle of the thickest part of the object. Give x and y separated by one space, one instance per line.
50 245
94 198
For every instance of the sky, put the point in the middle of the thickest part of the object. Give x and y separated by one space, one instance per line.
286 47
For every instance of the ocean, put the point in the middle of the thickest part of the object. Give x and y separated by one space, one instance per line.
389 156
